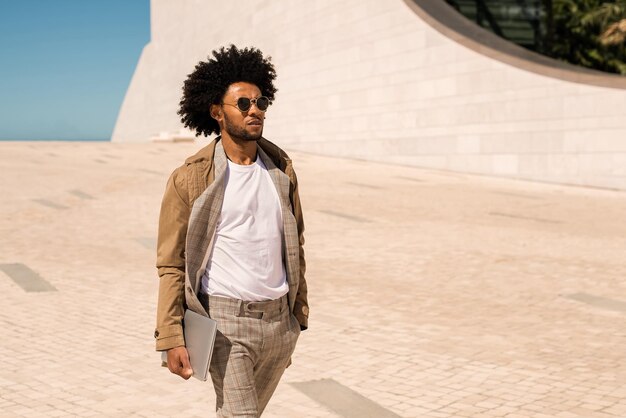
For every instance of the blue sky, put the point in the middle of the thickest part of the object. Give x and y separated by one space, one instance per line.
66 65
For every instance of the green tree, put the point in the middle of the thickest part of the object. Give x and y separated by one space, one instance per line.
591 33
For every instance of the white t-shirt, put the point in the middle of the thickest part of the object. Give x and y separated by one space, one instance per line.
247 256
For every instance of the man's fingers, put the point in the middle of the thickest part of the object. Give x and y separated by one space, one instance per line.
174 366
178 362
186 371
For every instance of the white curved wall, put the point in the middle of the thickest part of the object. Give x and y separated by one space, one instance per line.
369 79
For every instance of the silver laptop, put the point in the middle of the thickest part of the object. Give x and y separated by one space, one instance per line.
199 334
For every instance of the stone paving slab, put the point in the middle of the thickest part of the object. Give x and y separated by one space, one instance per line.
432 294
26 278
342 400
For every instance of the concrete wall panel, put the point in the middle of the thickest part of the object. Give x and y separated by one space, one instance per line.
384 81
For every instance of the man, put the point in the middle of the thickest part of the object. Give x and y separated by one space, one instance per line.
230 242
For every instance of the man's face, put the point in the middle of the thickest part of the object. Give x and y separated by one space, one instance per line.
244 126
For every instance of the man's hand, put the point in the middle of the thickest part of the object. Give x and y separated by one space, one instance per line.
178 362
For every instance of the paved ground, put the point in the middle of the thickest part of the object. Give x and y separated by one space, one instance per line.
432 294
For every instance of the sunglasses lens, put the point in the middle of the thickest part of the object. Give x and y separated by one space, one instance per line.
262 103
243 103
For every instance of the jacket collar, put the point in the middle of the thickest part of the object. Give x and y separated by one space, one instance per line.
205 153
278 156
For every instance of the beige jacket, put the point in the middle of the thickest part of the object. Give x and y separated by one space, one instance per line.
189 213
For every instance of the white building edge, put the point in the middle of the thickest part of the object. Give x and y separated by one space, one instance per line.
405 82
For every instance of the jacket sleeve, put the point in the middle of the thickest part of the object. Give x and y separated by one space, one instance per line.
301 306
173 221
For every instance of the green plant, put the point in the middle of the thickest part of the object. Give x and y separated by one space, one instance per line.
591 33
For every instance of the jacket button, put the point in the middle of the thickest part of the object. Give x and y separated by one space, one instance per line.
156 334
305 310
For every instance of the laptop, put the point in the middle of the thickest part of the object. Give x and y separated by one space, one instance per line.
199 332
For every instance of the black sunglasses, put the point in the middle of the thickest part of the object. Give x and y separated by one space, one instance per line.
243 103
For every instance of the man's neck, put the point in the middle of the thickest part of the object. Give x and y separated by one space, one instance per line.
239 151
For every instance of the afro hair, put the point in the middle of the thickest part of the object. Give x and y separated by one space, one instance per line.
208 83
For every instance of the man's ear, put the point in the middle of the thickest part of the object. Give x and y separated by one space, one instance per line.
216 112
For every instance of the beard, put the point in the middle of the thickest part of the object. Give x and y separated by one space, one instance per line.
238 132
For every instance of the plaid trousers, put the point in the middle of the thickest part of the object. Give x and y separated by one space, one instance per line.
253 347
